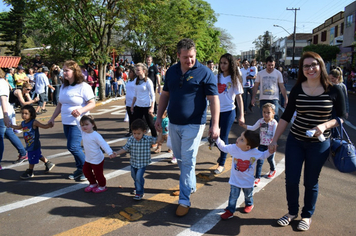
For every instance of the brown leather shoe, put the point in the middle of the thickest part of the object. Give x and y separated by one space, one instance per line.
182 210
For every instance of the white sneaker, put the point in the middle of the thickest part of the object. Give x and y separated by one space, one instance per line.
174 160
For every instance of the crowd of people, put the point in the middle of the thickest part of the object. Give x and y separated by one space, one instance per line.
181 115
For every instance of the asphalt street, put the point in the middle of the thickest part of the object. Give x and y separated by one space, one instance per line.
51 204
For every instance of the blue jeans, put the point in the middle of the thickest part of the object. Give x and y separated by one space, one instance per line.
122 87
9 133
245 97
56 94
185 144
114 86
74 138
137 176
107 88
275 102
313 155
225 122
235 194
270 159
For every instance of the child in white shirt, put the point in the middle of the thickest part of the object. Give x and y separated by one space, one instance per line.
93 167
244 156
268 126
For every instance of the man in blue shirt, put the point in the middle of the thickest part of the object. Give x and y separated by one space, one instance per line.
187 87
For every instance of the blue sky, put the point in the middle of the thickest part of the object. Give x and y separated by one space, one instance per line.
246 20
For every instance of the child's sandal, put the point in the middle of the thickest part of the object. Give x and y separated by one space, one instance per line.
304 224
158 150
286 219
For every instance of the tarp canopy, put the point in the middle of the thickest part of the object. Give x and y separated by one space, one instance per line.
6 61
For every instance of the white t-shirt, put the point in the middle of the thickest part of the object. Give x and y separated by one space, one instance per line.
74 97
267 130
92 143
130 92
227 92
4 91
144 93
244 73
269 84
243 163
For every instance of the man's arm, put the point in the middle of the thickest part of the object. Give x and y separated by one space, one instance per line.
214 130
162 105
158 79
254 91
284 93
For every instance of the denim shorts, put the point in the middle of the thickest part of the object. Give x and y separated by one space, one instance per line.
43 98
34 156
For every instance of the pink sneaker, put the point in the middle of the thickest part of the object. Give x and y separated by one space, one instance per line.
90 188
99 189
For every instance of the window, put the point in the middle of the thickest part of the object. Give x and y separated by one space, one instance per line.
349 20
336 31
315 39
342 28
323 36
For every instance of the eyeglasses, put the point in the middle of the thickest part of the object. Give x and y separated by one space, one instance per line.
312 66
28 89
181 79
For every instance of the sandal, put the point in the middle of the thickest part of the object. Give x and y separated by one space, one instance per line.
158 150
286 219
304 224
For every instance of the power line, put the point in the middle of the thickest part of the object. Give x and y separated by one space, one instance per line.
265 18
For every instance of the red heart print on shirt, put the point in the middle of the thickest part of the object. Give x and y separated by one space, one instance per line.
221 87
242 165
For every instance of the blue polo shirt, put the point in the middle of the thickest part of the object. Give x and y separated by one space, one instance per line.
187 93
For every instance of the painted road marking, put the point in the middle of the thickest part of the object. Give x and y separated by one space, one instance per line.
134 213
46 196
60 154
107 110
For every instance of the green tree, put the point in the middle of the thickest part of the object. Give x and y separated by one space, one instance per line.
327 52
12 27
156 26
90 24
263 44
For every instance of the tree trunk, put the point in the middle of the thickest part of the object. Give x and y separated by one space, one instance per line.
102 81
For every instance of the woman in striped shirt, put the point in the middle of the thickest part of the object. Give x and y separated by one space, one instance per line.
314 99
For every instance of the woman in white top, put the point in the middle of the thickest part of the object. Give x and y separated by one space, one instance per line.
144 99
75 98
130 93
229 88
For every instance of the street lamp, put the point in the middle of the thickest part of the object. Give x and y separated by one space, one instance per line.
282 28
293 42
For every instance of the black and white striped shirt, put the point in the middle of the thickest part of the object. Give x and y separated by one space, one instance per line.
313 110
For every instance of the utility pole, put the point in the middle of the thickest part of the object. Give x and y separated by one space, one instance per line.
294 33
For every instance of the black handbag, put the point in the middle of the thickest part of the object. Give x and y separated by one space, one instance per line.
342 151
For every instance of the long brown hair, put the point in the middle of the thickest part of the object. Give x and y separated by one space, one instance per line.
77 73
233 72
324 78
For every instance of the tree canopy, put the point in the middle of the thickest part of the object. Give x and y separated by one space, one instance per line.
88 30
327 52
